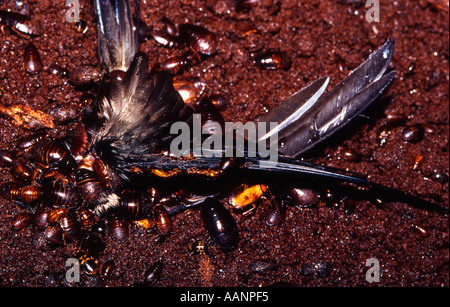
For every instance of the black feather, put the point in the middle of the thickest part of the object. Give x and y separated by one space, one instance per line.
308 117
136 114
117 38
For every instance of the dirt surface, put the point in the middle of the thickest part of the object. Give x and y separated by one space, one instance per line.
320 246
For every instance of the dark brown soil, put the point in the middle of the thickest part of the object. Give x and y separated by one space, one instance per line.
320 246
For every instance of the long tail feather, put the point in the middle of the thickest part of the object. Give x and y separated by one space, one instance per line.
284 171
293 170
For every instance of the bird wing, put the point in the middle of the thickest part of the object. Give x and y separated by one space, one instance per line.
309 116
136 113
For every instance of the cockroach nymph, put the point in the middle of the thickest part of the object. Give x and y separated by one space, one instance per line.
19 23
115 168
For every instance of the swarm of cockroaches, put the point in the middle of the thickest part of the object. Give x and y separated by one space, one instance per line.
82 188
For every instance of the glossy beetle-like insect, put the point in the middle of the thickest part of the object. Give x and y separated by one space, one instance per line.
128 132
18 22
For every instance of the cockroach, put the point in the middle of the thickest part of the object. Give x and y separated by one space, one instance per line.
200 39
220 224
70 227
273 60
119 229
19 23
33 62
54 152
22 220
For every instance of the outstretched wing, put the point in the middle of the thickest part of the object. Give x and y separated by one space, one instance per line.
309 117
135 114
